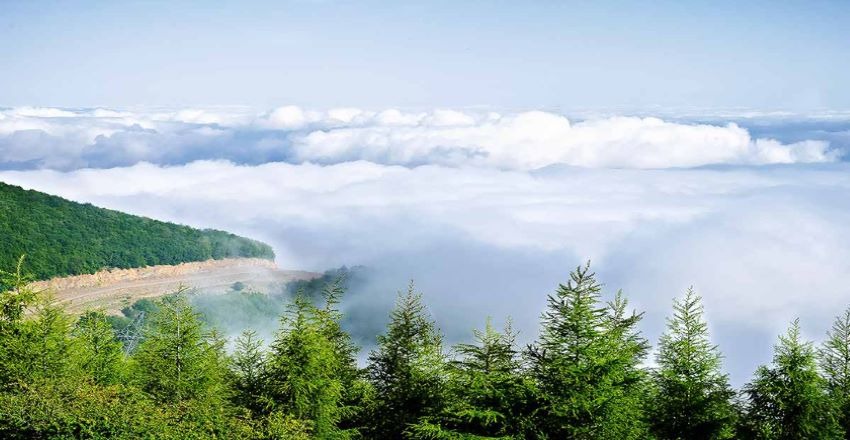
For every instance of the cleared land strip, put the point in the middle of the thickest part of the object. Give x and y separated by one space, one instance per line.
113 289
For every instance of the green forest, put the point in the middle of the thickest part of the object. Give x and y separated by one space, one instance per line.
61 237
584 377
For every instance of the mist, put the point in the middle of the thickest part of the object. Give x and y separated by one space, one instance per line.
753 214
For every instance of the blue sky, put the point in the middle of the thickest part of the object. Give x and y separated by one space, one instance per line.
553 55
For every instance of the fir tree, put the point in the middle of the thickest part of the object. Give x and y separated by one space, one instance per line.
788 400
586 365
302 371
693 399
356 390
248 372
98 353
488 396
16 298
834 357
178 360
406 369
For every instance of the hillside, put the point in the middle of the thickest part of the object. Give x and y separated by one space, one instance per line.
61 237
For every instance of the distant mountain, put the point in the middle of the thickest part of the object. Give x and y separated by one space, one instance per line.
61 237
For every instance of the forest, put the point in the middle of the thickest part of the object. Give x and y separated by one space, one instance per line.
61 237
586 376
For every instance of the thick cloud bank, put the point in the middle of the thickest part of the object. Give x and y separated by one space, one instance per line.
66 139
488 211
762 244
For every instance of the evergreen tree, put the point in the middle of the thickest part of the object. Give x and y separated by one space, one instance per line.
586 365
98 353
356 390
406 369
16 298
693 399
488 395
788 400
302 371
178 360
248 372
834 357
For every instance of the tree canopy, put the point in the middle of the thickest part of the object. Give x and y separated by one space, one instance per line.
61 237
584 377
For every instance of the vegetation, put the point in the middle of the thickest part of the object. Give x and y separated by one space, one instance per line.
61 237
583 378
693 399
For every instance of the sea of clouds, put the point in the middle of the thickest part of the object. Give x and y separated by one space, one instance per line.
488 211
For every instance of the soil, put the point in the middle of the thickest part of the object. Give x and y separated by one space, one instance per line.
113 289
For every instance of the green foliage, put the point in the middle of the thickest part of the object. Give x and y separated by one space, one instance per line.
178 360
62 237
30 347
406 370
586 365
488 393
582 379
248 371
693 399
834 357
303 371
788 400
237 311
98 353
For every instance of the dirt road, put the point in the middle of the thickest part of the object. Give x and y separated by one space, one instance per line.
111 290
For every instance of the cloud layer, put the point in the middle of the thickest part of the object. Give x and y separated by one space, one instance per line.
488 211
66 139
762 244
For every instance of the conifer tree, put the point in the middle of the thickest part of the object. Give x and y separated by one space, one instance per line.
788 400
488 396
356 390
406 369
834 357
178 360
16 298
302 371
248 372
586 365
98 352
693 399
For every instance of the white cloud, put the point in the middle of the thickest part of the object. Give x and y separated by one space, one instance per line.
515 141
537 139
761 244
481 207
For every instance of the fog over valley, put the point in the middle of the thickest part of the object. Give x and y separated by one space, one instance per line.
488 211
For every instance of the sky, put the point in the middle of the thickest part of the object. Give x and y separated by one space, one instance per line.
481 149
498 54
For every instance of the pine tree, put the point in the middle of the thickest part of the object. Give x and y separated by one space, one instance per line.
586 365
302 371
693 399
406 369
834 357
98 352
788 400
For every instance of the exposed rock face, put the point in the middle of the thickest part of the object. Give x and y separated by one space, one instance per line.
114 289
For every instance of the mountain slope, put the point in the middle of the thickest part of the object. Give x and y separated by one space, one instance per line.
61 237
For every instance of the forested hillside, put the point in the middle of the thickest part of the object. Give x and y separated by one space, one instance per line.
61 237
169 375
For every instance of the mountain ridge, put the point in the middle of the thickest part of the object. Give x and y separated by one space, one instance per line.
61 238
